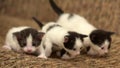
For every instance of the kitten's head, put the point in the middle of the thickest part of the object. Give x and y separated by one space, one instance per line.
102 41
74 42
29 39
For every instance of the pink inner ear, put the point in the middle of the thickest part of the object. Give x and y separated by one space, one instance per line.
18 37
66 39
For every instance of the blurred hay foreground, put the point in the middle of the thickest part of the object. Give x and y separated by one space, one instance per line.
104 14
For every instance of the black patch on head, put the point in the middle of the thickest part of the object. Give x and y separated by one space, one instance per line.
24 34
70 16
99 36
52 26
71 39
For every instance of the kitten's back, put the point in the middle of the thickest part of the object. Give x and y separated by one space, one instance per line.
76 23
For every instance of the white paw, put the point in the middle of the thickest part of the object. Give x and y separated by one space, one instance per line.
66 57
7 47
42 57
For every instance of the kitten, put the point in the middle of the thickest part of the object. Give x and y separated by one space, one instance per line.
98 41
59 39
23 39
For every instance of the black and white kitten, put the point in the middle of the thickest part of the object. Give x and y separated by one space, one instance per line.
59 39
23 39
98 42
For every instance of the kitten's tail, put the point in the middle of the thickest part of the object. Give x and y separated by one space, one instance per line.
38 22
56 8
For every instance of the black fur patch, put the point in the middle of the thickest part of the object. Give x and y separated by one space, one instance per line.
72 39
56 8
52 26
99 36
22 37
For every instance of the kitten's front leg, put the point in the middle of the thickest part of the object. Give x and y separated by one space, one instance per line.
48 48
42 52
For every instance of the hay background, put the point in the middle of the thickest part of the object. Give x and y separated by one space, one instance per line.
104 14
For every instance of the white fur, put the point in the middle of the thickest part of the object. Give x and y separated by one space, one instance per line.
76 23
29 48
81 25
56 35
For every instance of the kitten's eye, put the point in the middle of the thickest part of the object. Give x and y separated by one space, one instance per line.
74 49
72 41
102 48
80 48
23 44
34 44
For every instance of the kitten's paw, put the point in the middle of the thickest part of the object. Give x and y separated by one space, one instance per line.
66 57
7 47
42 57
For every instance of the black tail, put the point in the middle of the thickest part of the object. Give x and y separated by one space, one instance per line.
56 8
38 22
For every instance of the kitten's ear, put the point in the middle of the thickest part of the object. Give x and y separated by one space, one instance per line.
41 34
17 35
111 33
66 39
83 36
